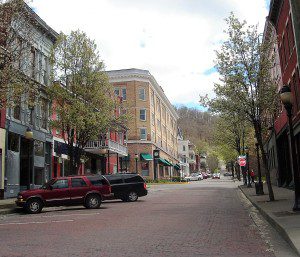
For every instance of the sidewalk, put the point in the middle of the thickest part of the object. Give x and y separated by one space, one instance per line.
7 206
279 213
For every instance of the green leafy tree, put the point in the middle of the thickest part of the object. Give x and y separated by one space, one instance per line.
83 99
246 87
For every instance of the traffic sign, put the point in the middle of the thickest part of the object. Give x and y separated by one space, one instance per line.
242 161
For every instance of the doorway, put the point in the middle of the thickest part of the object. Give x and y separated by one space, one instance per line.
26 163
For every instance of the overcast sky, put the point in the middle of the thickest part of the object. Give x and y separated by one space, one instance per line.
173 39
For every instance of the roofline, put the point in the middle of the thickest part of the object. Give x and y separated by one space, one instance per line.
139 73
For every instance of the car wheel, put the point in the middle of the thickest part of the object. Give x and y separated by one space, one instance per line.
124 198
34 206
132 196
92 202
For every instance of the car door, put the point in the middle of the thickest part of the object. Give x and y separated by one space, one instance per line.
78 190
58 193
117 185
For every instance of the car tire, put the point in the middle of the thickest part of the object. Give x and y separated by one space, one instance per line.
132 196
92 201
123 198
34 206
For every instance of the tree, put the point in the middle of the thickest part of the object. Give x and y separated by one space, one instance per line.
246 87
83 98
17 64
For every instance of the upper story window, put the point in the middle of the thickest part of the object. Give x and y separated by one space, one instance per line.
152 97
143 133
117 91
157 105
17 111
124 93
44 113
183 148
142 94
38 148
153 118
143 114
158 124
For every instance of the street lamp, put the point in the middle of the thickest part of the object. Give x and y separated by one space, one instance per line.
247 169
286 99
29 137
136 157
258 186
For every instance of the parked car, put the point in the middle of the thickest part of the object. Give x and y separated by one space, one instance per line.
193 177
216 176
205 175
127 187
227 174
88 190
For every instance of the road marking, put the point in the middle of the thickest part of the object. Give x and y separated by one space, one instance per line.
62 215
35 222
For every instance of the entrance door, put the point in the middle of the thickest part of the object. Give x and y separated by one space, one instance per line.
26 163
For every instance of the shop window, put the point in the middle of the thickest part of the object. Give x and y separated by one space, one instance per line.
161 171
145 168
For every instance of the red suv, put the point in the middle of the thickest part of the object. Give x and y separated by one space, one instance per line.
88 190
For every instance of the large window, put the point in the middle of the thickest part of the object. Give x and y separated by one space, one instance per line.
39 148
13 142
44 113
142 94
143 114
17 111
124 93
145 168
143 133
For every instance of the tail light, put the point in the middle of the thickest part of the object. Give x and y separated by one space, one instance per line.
145 186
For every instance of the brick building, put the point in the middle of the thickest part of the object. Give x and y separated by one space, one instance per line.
153 124
283 23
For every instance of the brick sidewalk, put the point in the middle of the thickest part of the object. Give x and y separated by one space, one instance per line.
279 213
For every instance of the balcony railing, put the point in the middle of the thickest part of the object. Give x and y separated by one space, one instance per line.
102 147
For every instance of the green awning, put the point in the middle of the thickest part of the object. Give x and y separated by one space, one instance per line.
146 157
177 167
162 161
168 163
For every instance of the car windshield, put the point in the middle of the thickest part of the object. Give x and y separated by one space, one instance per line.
46 185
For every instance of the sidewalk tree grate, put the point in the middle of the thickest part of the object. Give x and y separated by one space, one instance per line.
285 213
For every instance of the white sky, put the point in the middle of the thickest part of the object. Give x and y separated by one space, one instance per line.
173 39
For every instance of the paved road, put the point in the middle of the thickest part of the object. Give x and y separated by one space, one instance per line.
206 218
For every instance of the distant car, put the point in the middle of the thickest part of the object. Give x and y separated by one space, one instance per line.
227 174
216 176
88 190
127 187
193 177
205 175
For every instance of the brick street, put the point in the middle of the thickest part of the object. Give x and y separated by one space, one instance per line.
205 218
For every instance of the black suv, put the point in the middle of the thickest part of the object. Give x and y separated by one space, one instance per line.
127 187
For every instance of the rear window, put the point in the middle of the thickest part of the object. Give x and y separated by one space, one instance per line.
97 181
133 179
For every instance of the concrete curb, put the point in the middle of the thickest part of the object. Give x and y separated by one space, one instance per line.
273 222
8 211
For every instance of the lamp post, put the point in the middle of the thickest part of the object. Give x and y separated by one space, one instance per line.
136 157
29 137
247 169
258 186
286 99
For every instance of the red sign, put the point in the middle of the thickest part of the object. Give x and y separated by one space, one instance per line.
242 161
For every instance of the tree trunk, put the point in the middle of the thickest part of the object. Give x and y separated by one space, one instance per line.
258 135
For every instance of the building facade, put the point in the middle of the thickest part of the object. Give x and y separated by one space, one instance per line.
153 123
283 22
183 154
28 161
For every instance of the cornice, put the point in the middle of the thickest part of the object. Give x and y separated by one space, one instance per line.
141 75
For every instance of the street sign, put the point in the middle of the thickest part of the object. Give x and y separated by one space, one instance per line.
242 161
